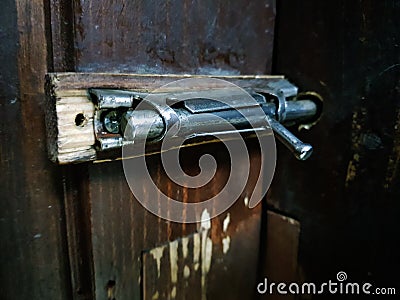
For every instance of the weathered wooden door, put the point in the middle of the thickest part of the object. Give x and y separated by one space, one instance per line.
84 235
75 232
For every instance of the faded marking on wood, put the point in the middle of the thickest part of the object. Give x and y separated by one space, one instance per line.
226 222
206 252
157 254
186 271
246 201
226 242
185 248
196 251
173 259
180 278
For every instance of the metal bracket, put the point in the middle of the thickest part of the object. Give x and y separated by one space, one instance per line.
125 116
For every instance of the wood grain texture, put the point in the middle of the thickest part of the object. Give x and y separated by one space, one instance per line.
150 37
279 260
204 37
346 198
122 229
34 264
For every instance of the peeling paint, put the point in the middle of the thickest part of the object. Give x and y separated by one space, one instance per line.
157 254
226 242
226 222
206 255
155 296
205 220
186 271
185 248
246 201
173 292
173 259
196 251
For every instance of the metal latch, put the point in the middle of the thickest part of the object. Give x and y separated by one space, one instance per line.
109 118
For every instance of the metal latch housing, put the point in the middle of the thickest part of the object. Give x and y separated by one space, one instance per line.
91 116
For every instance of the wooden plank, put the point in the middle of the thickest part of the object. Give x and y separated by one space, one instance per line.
176 270
196 266
211 37
122 229
34 263
347 197
279 254
140 37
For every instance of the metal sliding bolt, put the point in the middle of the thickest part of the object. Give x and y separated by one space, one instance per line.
301 150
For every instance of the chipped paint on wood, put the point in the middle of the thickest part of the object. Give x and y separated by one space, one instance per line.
173 292
186 271
206 255
226 222
196 251
185 248
226 242
205 220
157 254
173 260
246 201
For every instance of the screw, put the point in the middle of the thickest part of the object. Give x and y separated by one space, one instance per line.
112 121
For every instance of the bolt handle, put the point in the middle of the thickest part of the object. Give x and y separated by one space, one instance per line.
301 150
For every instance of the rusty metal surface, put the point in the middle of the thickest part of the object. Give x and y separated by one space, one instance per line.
347 197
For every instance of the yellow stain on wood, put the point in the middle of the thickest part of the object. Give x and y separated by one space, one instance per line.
226 242
226 222
186 271
173 260
185 247
246 201
196 251
173 292
206 251
157 254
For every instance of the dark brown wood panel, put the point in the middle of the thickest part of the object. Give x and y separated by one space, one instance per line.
207 37
279 255
34 264
122 229
347 195
199 37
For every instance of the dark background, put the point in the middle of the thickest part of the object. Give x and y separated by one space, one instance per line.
346 196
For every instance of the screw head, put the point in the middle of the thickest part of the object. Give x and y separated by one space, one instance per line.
112 121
